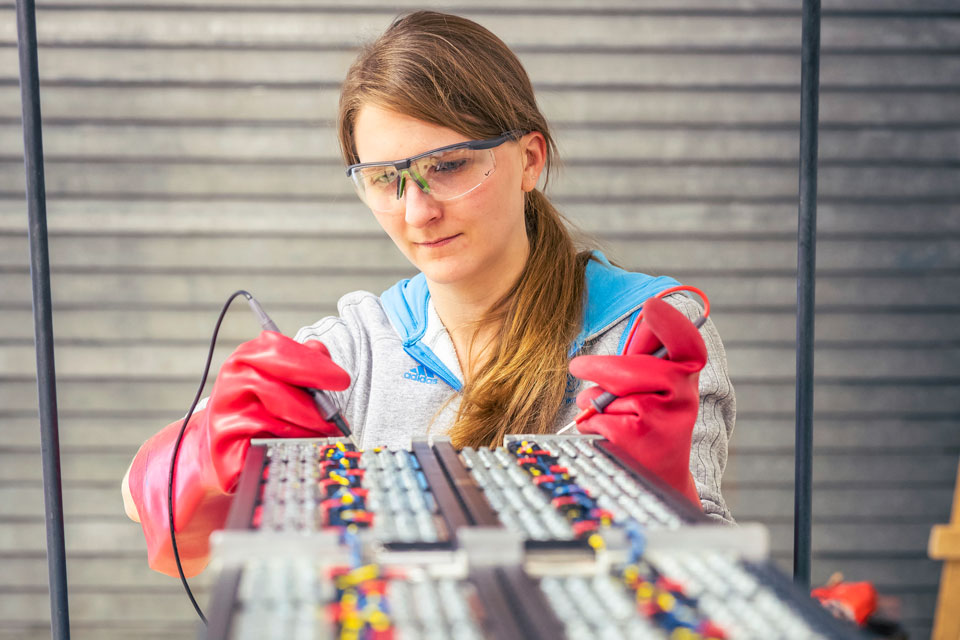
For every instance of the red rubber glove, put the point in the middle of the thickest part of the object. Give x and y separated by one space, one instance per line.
653 417
256 395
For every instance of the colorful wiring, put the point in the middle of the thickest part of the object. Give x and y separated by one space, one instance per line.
361 609
339 479
570 499
663 602
660 600
343 499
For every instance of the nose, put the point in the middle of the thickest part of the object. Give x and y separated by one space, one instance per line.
421 208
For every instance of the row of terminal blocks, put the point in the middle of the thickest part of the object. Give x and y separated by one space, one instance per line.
545 537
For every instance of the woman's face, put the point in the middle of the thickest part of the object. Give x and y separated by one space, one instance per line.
469 241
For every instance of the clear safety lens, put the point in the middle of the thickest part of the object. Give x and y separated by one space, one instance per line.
443 175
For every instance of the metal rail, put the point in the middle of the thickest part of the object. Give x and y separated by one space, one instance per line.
806 281
42 317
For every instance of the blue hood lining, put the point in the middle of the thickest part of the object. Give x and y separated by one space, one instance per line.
612 295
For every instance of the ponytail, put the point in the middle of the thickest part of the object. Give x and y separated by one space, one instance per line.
521 386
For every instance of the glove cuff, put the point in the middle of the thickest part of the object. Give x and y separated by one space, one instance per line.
200 505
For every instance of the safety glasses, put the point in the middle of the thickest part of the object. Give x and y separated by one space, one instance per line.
445 173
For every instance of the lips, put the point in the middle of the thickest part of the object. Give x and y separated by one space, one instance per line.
437 243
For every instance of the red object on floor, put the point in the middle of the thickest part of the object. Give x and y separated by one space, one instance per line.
853 600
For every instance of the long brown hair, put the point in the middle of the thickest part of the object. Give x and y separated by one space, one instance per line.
452 72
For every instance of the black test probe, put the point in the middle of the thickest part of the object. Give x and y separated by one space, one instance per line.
601 402
328 408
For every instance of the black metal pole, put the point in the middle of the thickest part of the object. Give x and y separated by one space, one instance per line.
42 317
806 281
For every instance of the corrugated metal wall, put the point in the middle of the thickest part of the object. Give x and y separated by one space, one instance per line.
190 152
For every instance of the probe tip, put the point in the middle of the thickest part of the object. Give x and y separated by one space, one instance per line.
568 427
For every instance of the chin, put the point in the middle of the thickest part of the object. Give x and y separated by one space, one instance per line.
445 271
441 275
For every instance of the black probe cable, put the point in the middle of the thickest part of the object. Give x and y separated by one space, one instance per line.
176 450
327 408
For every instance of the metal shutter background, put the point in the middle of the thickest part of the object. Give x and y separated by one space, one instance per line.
190 152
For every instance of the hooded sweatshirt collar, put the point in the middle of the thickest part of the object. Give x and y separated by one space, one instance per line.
612 295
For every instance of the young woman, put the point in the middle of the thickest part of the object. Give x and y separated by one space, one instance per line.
445 144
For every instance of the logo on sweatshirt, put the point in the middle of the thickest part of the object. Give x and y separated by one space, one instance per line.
570 392
421 374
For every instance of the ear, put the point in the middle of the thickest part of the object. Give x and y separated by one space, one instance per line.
533 155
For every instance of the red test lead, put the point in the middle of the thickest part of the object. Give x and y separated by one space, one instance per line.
601 402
